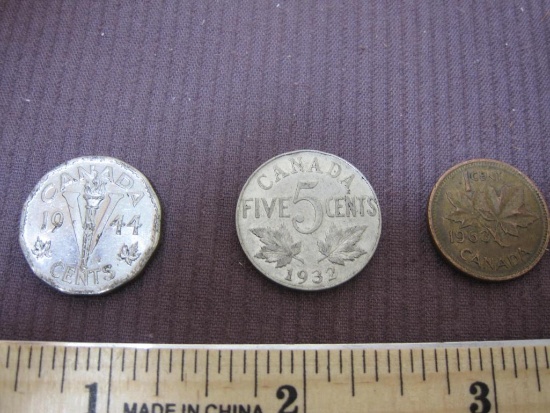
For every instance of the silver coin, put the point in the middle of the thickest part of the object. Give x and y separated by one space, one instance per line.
308 220
90 225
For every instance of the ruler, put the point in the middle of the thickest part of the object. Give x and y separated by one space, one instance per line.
477 377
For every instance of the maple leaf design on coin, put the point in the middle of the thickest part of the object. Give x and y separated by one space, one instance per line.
129 254
278 246
340 245
41 248
500 212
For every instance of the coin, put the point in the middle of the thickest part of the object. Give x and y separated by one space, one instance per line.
308 220
488 220
90 225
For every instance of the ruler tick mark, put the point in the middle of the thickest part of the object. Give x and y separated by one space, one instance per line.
316 362
515 364
423 366
88 360
470 359
231 366
328 365
63 371
447 372
305 381
494 380
30 358
291 361
170 363
158 373
525 358
401 373
503 359
546 355
135 364
8 358
17 370
99 360
388 361
40 362
267 367
458 359
537 367
411 355
435 361
352 374
480 359
147 361
376 364
110 381
280 362
255 373
76 359
340 358
219 361
182 364
364 363
123 359
53 358
207 371
244 362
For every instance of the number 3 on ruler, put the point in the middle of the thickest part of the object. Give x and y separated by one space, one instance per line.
480 390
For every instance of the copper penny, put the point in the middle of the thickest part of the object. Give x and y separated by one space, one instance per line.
488 219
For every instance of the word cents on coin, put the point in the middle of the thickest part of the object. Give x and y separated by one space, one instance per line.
308 220
90 225
488 220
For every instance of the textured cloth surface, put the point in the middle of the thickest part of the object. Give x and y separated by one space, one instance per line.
197 94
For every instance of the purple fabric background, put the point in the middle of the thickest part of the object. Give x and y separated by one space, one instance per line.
198 94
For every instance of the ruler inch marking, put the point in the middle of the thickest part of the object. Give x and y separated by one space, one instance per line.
109 384
280 361
400 373
30 358
352 371
494 379
480 359
158 373
537 367
304 364
16 381
40 362
291 361
63 370
447 372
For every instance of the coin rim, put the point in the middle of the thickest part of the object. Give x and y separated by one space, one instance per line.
146 255
538 195
249 256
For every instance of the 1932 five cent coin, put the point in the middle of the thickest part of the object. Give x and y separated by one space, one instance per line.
488 219
90 225
308 220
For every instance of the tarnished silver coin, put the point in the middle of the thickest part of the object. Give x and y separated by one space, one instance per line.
90 225
308 220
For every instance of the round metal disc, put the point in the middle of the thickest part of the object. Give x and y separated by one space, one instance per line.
90 225
488 219
308 220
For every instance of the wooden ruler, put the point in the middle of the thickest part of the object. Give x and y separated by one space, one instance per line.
478 377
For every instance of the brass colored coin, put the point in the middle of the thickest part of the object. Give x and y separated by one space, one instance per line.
488 219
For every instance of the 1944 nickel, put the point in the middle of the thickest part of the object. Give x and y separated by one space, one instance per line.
308 220
90 225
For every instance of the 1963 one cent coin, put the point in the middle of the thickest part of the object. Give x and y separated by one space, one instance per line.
90 225
488 219
308 220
